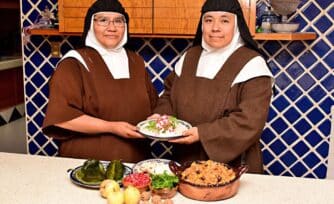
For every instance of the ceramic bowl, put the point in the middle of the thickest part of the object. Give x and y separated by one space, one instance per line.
211 192
141 181
284 27
284 7
165 193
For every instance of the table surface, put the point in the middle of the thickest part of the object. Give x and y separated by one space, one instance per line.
43 179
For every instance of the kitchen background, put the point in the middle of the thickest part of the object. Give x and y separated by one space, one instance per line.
296 138
12 122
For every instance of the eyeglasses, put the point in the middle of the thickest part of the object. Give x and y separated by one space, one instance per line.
117 22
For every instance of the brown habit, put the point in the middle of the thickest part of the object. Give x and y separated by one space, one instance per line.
75 91
229 119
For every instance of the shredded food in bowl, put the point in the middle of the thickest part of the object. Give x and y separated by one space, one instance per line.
208 173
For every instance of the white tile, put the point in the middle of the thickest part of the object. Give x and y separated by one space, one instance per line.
7 113
21 108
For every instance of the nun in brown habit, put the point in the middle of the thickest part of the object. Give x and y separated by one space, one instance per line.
100 91
223 87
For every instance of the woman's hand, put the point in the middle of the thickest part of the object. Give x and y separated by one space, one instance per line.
91 125
190 136
125 130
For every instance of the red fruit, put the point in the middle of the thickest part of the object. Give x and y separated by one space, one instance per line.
138 180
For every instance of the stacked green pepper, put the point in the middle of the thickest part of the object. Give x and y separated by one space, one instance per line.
115 170
93 171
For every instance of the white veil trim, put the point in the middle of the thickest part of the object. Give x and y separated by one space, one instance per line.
116 59
212 60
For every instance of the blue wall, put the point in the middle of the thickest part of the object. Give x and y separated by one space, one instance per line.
296 137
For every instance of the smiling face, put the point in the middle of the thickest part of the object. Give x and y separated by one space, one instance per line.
109 28
218 28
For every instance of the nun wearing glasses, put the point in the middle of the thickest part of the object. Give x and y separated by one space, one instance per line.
223 87
100 91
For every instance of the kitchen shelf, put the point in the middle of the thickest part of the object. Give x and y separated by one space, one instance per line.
274 36
49 31
285 36
251 5
53 32
257 36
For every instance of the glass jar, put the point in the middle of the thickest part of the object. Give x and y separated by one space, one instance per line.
267 19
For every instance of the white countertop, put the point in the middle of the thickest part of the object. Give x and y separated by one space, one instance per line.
44 180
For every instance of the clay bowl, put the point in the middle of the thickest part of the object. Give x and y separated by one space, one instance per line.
208 192
165 193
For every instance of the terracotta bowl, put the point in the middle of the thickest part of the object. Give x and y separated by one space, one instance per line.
165 193
211 192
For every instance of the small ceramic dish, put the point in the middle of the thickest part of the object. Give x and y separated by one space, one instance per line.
152 166
165 193
141 181
284 27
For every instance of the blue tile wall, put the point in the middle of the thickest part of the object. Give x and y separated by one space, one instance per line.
295 140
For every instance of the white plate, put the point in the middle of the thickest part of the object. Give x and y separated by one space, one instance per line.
152 166
181 127
94 185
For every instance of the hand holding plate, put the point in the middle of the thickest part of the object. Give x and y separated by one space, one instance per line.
190 136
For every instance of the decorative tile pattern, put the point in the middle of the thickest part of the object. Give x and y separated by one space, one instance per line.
295 140
11 114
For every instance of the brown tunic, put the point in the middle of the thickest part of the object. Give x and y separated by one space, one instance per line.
229 119
75 91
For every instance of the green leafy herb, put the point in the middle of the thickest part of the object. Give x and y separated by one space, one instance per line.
164 180
173 121
152 126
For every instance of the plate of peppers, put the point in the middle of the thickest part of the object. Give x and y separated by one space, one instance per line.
93 172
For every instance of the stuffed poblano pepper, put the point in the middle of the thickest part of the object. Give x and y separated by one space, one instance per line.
92 171
115 170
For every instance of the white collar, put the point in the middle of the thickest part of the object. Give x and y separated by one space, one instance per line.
212 60
256 67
